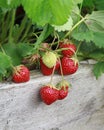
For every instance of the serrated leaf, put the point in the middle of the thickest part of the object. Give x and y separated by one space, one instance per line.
98 69
97 55
11 50
5 61
24 49
48 11
75 14
82 33
66 27
95 21
17 51
98 39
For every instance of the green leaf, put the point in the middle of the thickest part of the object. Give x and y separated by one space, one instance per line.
66 27
82 33
11 50
95 21
97 55
78 1
98 39
10 3
99 4
98 69
5 61
55 12
5 64
17 51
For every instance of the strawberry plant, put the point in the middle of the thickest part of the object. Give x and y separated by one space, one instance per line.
27 25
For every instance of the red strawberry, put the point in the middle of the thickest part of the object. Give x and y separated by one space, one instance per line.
49 94
71 49
63 92
63 89
48 71
21 74
69 65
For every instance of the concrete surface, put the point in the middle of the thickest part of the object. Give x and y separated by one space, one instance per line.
22 109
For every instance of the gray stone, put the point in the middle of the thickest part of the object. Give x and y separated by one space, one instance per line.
22 109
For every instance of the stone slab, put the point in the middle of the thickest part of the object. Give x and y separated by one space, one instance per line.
22 109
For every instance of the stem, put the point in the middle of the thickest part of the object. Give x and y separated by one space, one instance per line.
81 6
77 24
2 49
21 28
52 74
11 27
40 38
78 47
26 31
61 69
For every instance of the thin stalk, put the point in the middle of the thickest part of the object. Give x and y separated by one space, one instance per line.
52 74
81 6
12 24
21 28
26 31
61 69
41 38
77 24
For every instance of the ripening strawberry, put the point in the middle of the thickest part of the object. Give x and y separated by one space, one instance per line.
70 49
21 74
44 69
48 71
49 59
69 65
49 94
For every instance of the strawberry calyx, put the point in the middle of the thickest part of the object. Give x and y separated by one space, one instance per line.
51 86
17 69
74 58
63 84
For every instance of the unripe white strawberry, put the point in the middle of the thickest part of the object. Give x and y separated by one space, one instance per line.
49 59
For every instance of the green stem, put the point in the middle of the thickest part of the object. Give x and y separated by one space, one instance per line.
40 38
61 69
81 6
26 31
52 74
78 47
11 27
77 24
21 28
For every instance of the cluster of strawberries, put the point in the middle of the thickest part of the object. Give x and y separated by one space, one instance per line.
69 62
63 60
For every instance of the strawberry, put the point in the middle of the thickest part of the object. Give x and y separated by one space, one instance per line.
44 69
21 74
49 94
49 59
63 89
48 71
71 48
69 65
